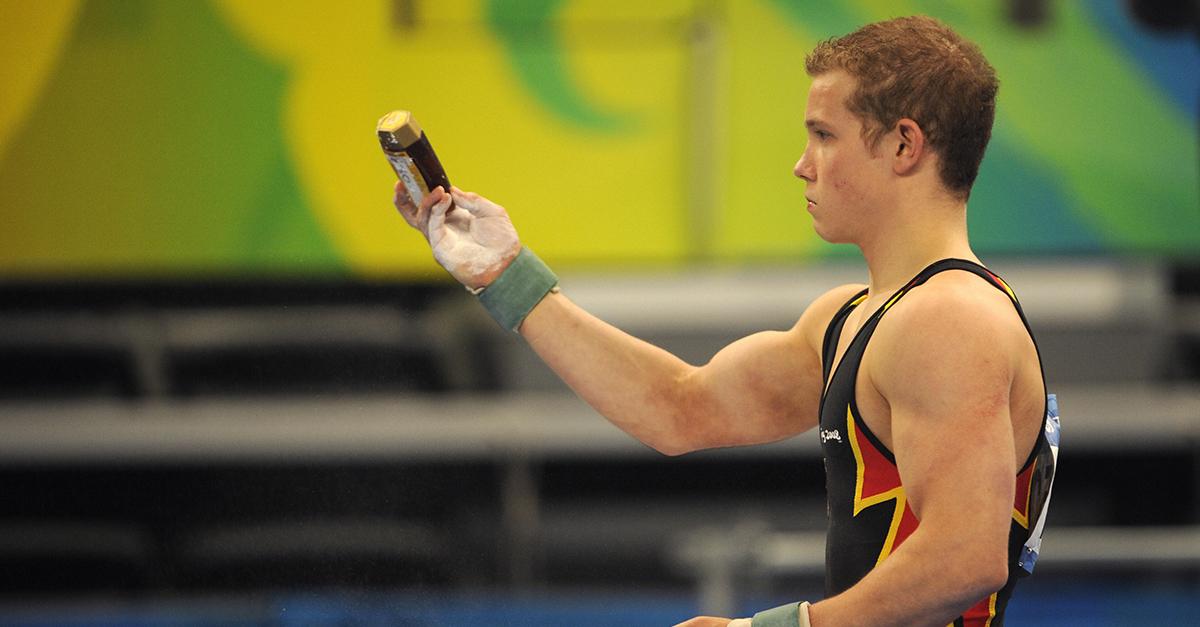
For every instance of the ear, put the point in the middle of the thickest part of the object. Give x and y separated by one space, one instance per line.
909 142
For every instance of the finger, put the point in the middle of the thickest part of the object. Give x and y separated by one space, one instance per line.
420 216
437 213
434 196
402 201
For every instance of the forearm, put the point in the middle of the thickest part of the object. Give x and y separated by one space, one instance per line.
637 386
927 581
762 388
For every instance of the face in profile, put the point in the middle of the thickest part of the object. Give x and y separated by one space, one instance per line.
845 179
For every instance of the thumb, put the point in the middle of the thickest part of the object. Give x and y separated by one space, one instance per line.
475 204
470 202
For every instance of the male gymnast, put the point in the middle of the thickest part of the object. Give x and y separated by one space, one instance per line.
925 383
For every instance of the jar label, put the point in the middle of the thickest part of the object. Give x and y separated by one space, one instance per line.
407 170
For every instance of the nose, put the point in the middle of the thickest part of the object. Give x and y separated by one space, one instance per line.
804 169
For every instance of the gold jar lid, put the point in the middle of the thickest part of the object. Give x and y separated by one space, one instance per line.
400 127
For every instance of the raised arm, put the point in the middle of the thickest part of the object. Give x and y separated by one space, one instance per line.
762 388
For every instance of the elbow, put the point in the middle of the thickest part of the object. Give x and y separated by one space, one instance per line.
993 573
671 449
677 430
977 567
675 441
681 437
986 574
662 434
993 577
691 430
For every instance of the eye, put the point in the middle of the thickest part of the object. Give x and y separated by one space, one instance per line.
822 134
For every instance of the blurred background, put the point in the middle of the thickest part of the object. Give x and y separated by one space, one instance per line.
235 388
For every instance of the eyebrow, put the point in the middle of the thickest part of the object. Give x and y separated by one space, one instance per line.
814 122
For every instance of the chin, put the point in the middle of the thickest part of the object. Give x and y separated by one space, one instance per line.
829 235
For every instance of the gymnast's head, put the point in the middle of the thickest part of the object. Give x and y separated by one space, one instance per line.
917 68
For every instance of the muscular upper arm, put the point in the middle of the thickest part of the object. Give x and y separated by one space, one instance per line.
944 360
764 387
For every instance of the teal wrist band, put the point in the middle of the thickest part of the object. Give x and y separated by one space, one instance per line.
782 616
522 285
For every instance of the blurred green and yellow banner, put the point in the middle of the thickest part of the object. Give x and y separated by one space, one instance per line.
236 137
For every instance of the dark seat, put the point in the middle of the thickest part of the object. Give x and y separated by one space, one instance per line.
54 557
340 553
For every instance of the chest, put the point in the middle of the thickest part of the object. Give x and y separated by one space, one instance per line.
849 386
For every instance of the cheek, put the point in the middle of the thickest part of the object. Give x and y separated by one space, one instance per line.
846 186
851 179
839 176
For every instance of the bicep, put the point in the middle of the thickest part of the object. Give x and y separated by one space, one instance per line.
767 386
761 388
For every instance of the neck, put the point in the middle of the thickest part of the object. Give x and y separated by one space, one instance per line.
913 240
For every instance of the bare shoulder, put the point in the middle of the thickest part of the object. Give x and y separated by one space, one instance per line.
955 321
961 298
816 317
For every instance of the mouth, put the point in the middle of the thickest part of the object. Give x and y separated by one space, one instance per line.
811 203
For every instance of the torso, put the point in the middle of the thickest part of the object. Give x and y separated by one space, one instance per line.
868 509
1027 398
